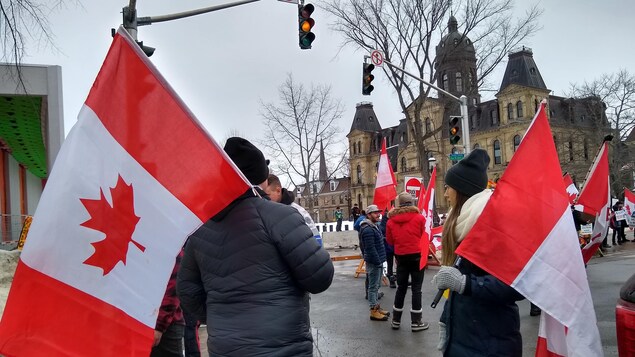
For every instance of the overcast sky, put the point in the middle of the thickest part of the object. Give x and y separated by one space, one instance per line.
223 64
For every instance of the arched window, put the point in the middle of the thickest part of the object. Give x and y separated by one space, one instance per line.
570 150
469 80
519 109
510 111
404 164
586 150
536 102
459 82
354 149
428 125
359 174
376 166
445 81
516 142
359 147
497 153
493 119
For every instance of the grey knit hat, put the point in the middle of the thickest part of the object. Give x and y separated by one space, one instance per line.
405 199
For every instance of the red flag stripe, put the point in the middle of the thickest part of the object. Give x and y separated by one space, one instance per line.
161 133
56 305
541 349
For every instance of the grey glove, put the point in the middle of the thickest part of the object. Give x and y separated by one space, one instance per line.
443 337
450 278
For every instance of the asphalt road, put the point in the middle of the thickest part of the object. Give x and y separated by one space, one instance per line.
341 325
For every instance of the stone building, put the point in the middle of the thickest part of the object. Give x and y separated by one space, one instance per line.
321 197
496 125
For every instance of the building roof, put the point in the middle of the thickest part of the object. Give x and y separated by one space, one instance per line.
522 70
365 118
454 45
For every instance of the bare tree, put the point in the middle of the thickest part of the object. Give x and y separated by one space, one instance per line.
406 31
617 93
296 126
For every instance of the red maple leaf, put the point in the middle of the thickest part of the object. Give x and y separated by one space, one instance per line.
118 222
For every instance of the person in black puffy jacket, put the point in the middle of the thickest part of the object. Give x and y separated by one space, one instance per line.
249 270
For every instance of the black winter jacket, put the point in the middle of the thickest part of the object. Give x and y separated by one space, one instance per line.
248 272
484 320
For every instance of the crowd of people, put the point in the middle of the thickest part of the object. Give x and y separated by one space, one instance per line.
261 257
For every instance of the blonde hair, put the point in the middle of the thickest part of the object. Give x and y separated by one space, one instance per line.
449 238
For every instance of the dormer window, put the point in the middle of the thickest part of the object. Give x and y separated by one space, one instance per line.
333 185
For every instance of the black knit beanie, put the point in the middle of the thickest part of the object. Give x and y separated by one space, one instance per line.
248 158
469 176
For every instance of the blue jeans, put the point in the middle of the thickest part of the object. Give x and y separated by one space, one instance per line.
374 273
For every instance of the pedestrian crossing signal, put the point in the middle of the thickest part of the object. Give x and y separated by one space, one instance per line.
454 130
367 78
305 25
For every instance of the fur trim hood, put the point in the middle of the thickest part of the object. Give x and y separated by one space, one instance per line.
401 210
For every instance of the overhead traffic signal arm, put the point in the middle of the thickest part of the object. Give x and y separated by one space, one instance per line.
305 25
455 129
367 78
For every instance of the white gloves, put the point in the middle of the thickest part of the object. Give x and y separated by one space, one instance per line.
450 278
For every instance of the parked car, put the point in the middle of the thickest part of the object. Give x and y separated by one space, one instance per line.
625 319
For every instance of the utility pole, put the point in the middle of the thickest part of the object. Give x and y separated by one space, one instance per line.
131 21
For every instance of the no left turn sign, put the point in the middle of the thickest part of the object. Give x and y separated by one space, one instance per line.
377 58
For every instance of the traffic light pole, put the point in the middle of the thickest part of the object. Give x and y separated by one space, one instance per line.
130 20
462 100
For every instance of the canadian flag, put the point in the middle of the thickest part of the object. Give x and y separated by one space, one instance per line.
539 256
595 199
385 184
629 202
136 175
571 189
427 211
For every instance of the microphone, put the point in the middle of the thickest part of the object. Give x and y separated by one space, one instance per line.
437 297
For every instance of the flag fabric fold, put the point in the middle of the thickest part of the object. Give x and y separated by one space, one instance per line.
135 176
595 199
571 189
629 202
426 204
542 258
385 184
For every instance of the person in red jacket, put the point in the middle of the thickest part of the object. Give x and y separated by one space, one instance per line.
403 231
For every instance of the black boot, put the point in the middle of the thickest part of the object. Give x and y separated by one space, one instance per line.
415 321
393 280
396 318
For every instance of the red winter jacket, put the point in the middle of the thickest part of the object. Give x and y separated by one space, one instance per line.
404 229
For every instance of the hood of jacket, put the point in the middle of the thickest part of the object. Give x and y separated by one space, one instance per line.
403 214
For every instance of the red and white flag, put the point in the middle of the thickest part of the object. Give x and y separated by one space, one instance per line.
385 185
629 202
542 258
437 233
571 189
427 211
595 199
136 175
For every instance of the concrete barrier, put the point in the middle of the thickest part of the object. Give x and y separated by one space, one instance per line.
343 239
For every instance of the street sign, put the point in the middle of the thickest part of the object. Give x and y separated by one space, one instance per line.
456 157
377 58
413 185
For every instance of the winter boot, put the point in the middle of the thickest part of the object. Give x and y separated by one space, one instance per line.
396 318
382 311
376 315
393 280
416 324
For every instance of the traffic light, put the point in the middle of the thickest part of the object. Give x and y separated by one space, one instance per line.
305 24
454 130
367 78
